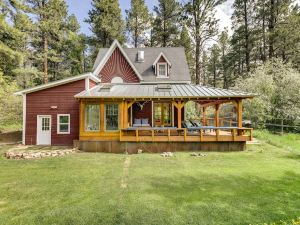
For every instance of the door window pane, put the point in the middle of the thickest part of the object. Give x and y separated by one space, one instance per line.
112 116
92 118
45 124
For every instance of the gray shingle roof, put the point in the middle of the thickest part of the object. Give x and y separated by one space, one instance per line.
154 91
179 71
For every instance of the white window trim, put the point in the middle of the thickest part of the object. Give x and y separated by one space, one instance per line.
58 123
166 74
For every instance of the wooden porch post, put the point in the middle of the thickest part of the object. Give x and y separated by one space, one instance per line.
204 116
217 112
179 115
125 115
239 113
81 115
179 105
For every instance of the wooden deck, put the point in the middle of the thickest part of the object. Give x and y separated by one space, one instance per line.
186 135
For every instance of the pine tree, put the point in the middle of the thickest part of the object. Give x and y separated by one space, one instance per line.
50 16
106 23
203 26
137 21
185 41
166 23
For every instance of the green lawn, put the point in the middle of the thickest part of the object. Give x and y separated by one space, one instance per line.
259 185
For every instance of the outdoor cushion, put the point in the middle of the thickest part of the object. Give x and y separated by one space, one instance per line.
137 121
188 124
145 121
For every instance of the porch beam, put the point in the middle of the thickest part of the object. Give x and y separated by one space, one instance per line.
129 104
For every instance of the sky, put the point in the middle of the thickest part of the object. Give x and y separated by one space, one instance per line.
81 7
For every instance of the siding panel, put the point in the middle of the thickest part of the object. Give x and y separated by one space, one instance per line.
40 102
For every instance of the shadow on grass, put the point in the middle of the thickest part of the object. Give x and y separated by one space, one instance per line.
231 199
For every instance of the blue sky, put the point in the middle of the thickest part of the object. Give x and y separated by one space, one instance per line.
81 7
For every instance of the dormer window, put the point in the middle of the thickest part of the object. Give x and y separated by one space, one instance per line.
162 66
162 70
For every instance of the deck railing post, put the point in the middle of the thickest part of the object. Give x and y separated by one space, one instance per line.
137 135
217 134
169 138
201 135
184 133
152 134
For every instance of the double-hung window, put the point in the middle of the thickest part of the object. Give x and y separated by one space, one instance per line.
92 118
63 123
162 70
111 117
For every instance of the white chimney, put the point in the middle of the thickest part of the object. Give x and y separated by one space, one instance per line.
140 57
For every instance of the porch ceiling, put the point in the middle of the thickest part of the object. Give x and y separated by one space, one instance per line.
153 91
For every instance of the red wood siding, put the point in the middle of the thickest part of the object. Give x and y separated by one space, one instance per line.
92 83
162 60
39 103
117 66
137 113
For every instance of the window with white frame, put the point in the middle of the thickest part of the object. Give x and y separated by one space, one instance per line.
162 70
63 123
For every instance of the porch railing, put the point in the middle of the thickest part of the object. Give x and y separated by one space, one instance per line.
210 134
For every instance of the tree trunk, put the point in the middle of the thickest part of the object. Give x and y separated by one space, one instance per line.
136 33
271 29
45 41
198 46
264 58
247 47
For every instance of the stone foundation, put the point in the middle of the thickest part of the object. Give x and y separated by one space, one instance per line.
158 147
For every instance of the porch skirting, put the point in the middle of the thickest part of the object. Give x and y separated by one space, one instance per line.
157 147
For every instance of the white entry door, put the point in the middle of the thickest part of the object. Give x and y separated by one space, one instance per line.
43 130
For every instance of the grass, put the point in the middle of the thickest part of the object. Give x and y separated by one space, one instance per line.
260 185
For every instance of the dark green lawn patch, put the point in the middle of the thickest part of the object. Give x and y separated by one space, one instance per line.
260 185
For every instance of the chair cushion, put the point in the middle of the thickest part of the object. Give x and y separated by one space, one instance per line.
145 121
188 124
137 121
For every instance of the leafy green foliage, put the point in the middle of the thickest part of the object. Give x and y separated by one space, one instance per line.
138 22
278 89
106 23
10 110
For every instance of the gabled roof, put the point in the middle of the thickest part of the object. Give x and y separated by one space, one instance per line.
179 73
158 57
107 54
59 82
153 91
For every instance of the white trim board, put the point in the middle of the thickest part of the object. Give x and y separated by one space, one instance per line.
59 82
24 120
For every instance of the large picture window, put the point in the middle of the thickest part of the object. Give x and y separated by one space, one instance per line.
63 123
111 117
92 118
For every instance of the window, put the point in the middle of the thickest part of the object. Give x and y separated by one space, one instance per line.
63 123
162 69
45 123
111 117
92 118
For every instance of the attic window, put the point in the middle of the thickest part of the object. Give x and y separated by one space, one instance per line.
162 70
105 88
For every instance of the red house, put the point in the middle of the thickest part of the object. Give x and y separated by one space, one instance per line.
134 98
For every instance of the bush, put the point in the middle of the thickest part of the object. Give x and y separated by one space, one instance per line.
277 86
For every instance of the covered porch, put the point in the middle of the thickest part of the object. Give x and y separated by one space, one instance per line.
160 116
